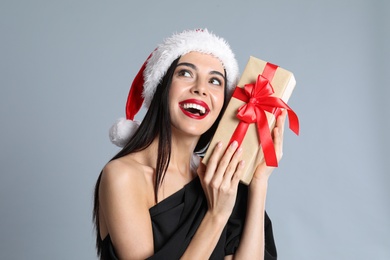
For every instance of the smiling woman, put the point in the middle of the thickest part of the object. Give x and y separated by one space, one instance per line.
154 199
197 92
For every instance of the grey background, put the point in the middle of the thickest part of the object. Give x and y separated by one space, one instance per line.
66 67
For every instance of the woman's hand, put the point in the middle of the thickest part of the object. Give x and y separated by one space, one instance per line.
252 239
263 172
221 177
219 182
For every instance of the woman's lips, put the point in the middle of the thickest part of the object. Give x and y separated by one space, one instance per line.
198 108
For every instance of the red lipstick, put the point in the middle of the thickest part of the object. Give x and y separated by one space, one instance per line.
194 108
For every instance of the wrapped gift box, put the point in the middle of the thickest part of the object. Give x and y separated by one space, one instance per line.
256 74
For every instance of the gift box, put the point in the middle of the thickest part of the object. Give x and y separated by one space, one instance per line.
262 91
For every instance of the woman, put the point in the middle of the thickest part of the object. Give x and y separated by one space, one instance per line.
153 199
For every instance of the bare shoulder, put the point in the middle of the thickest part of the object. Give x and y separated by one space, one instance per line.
124 197
127 177
123 170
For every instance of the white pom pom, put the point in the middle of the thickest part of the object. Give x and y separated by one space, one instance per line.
121 132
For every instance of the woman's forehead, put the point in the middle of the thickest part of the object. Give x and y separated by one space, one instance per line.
202 59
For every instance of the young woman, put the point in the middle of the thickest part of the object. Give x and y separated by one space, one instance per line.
154 200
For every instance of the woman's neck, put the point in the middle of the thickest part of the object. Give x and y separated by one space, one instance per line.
182 148
179 171
182 152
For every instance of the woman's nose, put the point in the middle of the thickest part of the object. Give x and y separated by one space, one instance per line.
200 88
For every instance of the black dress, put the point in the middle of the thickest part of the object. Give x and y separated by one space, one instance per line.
176 219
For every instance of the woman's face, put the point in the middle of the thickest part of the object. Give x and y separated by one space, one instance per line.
197 91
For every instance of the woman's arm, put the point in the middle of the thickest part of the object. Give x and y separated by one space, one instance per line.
252 240
124 213
126 217
219 182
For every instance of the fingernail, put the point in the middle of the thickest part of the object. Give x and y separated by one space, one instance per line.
234 144
242 164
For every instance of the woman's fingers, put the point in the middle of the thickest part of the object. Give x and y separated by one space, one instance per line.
226 164
222 165
220 178
262 170
233 168
213 163
278 133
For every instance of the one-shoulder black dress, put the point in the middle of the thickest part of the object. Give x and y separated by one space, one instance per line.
176 219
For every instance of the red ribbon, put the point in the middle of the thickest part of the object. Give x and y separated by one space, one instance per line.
258 98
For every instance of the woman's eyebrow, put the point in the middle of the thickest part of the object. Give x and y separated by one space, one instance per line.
195 68
217 73
192 66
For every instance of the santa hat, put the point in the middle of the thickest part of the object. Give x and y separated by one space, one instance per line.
153 70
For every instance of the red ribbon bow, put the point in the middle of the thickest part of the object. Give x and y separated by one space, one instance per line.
258 98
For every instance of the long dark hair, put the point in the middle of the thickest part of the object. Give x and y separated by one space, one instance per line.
157 122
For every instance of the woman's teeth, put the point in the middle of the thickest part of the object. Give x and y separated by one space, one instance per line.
191 106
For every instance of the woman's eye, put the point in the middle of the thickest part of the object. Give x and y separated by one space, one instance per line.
215 81
184 73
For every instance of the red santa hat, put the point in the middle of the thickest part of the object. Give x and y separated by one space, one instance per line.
153 70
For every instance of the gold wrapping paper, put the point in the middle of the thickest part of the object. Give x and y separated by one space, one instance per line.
283 84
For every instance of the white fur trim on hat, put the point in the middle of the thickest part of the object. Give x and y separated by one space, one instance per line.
156 66
180 44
